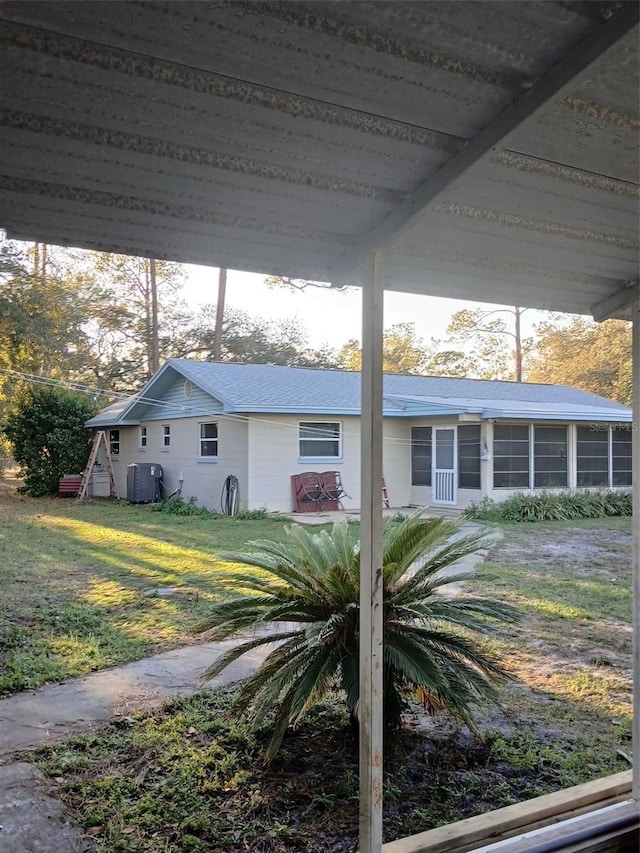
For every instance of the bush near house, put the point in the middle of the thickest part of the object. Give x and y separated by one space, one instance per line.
46 429
553 506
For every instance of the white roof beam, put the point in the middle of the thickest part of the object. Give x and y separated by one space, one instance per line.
523 109
613 305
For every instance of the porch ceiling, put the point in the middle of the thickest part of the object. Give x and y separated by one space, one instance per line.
490 147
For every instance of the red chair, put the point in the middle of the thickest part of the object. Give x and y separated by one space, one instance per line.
333 488
307 491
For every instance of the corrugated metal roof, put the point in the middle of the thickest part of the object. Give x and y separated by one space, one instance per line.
251 388
277 136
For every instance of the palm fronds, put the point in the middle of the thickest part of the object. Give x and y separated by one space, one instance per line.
309 583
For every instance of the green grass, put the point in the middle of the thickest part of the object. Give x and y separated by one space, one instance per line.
188 778
74 576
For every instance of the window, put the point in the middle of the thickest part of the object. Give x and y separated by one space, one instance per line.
511 457
319 440
166 436
208 440
621 455
143 438
421 443
114 442
550 457
593 457
469 456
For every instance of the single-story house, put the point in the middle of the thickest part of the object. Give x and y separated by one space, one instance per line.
447 441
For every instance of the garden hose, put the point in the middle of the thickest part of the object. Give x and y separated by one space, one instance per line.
229 497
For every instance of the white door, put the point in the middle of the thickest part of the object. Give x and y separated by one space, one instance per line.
444 466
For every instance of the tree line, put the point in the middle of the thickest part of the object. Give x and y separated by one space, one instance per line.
109 321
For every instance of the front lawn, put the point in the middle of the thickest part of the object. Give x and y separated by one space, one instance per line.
80 582
188 778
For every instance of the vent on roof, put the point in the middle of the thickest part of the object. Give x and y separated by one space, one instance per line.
188 389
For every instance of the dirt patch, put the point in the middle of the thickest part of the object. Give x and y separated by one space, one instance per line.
582 550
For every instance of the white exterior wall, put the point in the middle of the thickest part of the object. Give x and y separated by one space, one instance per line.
396 460
274 458
203 478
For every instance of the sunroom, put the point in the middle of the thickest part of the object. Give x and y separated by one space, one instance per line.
454 464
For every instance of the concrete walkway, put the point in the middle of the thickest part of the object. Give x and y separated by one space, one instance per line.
32 718
33 822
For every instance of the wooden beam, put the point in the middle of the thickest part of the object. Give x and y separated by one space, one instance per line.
474 832
635 439
612 305
523 109
371 599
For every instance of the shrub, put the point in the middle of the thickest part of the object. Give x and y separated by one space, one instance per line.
553 506
312 580
48 435
176 505
252 514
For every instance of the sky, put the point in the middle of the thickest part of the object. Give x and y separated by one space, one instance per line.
329 317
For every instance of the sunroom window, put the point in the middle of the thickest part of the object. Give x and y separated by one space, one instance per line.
469 456
421 449
621 455
592 456
550 457
510 456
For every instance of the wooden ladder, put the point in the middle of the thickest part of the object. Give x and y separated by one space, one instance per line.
99 440
385 496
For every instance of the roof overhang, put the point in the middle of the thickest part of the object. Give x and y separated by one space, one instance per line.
492 154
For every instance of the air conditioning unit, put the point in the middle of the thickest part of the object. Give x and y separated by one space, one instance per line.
143 482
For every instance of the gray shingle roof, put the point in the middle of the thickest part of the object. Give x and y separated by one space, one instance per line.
272 388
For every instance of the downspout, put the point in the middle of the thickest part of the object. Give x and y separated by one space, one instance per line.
371 592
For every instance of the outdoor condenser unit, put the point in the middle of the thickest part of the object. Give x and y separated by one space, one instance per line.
143 482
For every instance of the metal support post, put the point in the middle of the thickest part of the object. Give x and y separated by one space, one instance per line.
371 592
635 313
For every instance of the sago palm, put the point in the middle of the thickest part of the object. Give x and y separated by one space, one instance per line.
310 582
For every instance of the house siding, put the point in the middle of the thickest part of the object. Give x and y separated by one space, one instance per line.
262 451
274 458
176 405
203 479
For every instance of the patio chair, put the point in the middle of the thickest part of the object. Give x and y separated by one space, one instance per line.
308 491
333 489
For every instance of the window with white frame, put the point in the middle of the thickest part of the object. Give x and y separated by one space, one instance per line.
166 436
114 442
142 438
318 440
208 440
